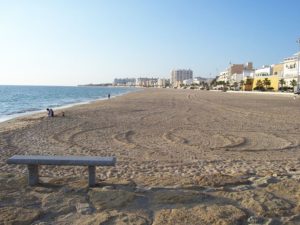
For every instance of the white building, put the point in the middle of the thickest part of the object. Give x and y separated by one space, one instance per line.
235 78
178 76
290 68
265 71
236 73
162 83
188 82
200 79
124 82
223 76
146 82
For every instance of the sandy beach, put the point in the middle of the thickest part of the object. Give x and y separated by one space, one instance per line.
183 157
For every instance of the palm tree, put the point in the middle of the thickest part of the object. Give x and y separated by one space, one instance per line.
214 82
259 85
242 82
266 83
293 83
281 82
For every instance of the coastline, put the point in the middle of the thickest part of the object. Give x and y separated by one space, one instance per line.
35 115
182 156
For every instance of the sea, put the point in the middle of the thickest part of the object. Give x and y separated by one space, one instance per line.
18 101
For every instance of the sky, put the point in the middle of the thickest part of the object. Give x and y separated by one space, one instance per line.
54 42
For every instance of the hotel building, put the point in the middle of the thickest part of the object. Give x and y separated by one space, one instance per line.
178 76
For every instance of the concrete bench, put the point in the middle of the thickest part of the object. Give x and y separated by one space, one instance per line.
33 161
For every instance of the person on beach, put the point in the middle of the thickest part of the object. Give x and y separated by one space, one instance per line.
50 112
108 96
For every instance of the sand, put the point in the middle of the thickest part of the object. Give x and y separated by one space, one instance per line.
183 157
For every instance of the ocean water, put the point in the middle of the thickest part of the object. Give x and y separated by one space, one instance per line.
22 100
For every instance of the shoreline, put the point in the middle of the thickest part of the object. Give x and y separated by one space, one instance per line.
59 108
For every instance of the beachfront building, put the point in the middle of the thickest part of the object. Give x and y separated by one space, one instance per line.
162 83
223 76
234 74
188 82
278 70
178 76
235 78
290 69
146 82
265 71
124 82
197 82
264 78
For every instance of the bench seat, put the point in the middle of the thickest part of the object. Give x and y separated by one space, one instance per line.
33 161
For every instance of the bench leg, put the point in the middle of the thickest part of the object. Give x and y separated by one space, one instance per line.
33 174
92 176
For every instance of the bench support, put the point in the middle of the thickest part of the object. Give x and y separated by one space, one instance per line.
92 176
33 174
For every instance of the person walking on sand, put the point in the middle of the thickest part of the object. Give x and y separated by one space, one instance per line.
108 96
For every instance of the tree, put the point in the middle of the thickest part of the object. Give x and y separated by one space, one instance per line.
206 86
259 85
293 83
266 83
214 82
242 82
281 82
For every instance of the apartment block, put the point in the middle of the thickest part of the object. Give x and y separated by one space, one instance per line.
178 76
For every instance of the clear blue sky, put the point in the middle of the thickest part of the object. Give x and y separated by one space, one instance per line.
72 42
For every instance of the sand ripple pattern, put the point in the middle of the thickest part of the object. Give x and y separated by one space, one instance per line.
236 141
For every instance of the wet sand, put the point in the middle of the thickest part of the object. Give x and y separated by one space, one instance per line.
183 157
